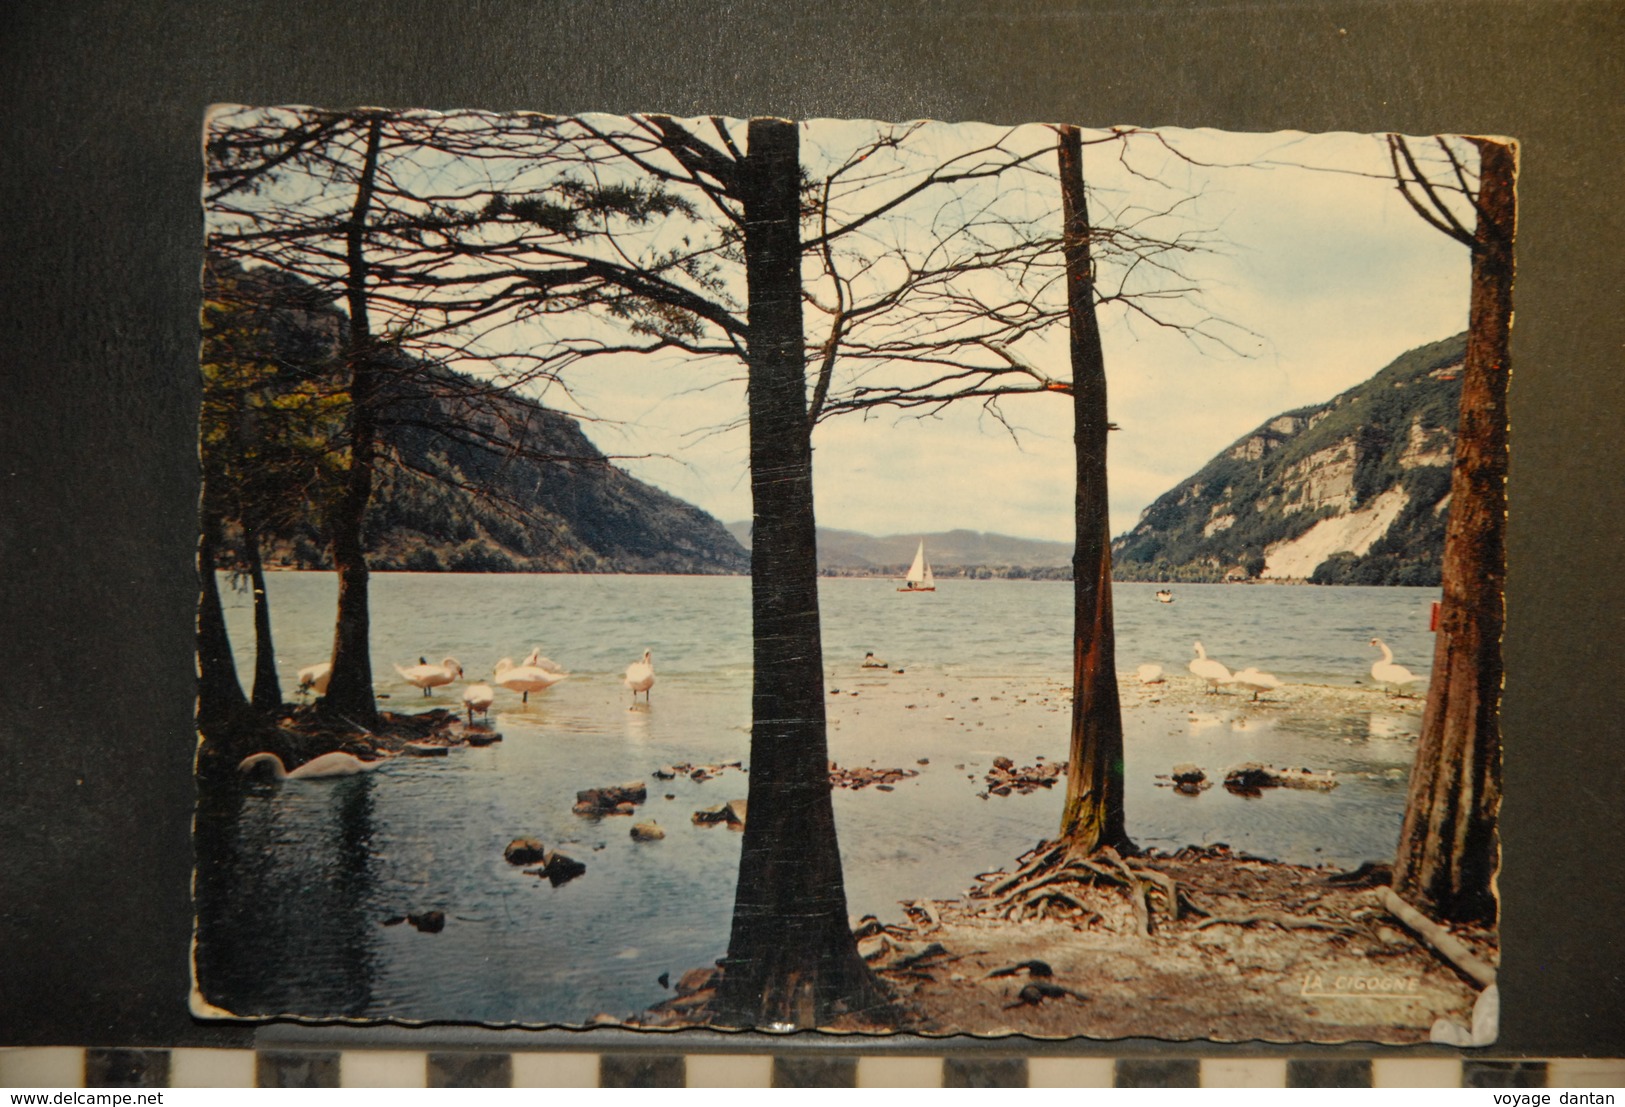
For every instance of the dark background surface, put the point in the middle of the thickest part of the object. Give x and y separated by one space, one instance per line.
100 180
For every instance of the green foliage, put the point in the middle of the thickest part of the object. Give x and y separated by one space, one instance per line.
271 424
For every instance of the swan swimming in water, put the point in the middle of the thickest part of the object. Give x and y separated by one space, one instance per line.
1387 673
1209 670
640 676
314 678
478 697
317 768
525 679
1257 681
427 676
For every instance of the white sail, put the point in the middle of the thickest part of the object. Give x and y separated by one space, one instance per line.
920 578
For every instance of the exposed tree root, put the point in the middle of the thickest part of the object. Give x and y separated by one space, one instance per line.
1285 922
1049 881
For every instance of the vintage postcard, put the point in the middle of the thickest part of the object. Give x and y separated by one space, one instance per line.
898 578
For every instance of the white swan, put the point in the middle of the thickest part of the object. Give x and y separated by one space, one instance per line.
317 768
314 678
1209 670
640 676
427 676
478 697
1257 681
1387 673
535 660
525 679
1149 673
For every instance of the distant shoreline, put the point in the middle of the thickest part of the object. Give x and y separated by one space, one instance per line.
947 574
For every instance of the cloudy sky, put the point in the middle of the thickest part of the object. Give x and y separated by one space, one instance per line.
1314 273
1322 275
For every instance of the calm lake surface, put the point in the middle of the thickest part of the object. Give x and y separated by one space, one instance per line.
296 879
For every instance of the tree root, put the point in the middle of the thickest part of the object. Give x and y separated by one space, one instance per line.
1285 922
1042 887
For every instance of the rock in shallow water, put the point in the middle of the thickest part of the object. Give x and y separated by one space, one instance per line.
524 851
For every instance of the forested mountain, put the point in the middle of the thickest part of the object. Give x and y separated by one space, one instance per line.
1352 491
471 479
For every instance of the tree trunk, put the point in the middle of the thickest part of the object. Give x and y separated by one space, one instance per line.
267 691
221 706
1448 849
349 691
1093 815
792 961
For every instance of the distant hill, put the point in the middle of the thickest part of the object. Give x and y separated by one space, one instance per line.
575 511
1352 491
952 553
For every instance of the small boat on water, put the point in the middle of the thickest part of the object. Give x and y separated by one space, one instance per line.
919 578
1165 596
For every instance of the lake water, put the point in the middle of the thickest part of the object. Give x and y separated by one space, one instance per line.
296 880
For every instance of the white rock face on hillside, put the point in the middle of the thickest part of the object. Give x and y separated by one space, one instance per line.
1352 533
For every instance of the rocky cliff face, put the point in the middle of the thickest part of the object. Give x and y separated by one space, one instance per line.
1351 491
469 478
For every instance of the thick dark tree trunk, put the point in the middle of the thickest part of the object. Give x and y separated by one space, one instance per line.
792 961
267 691
221 706
1448 849
349 691
1093 815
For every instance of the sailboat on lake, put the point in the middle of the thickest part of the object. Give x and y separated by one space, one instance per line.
920 578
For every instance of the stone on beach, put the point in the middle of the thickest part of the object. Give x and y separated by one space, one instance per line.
614 799
524 851
1006 777
1252 776
732 813
856 778
558 868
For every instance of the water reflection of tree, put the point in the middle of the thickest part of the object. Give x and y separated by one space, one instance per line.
285 886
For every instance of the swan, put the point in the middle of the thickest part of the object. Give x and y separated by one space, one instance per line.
314 678
525 679
640 676
1149 673
478 697
1209 670
1387 673
427 676
535 660
317 768
1257 681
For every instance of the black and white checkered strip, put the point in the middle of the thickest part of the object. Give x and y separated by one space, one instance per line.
296 1068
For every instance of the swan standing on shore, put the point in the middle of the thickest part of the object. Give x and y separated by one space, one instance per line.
536 661
1385 672
427 676
1257 681
314 678
1149 673
525 679
478 697
640 676
1209 670
317 768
